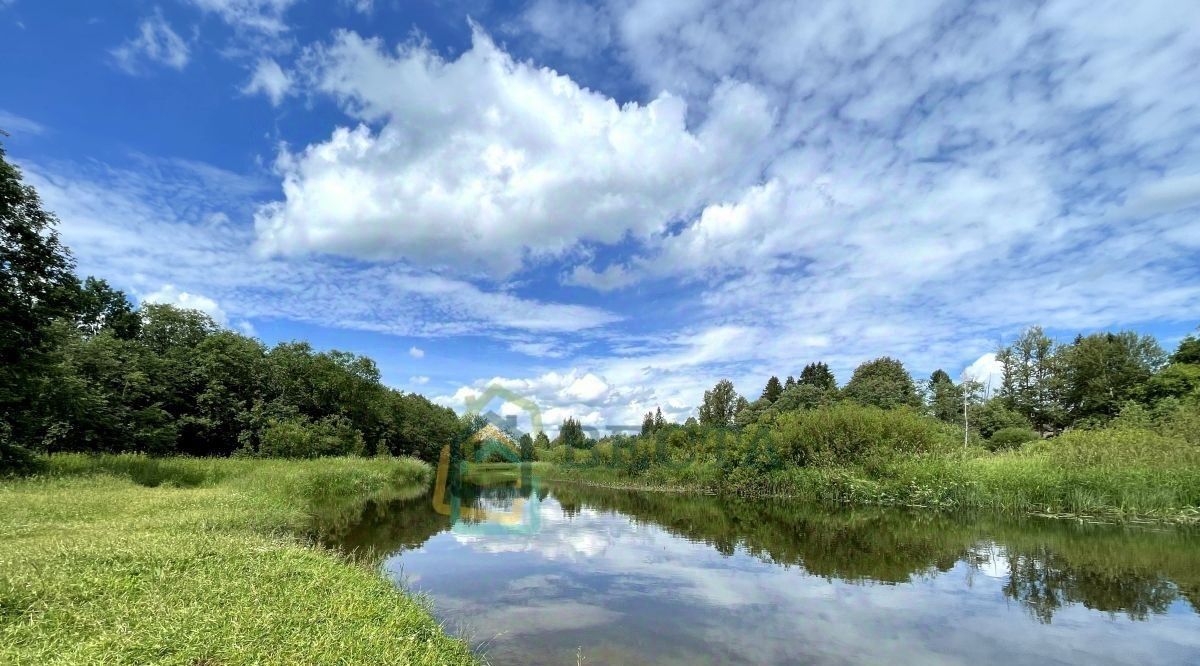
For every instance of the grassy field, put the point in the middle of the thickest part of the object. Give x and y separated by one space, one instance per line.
129 560
1121 474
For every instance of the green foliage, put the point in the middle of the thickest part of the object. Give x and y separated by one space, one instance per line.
750 457
720 405
1170 417
944 399
570 434
1117 448
99 307
995 415
772 390
1105 370
1011 438
36 288
819 375
805 396
648 424
884 383
16 460
1032 378
849 433
1188 351
750 412
525 445
1178 380
298 437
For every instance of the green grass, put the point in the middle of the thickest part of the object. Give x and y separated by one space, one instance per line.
131 560
1120 474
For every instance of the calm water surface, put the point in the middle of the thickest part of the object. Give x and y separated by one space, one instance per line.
538 573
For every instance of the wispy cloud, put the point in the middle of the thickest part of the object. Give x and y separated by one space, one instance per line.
265 16
270 80
155 44
15 124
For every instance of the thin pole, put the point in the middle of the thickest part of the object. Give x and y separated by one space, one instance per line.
966 423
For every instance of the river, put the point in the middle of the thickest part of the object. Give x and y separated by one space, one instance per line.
533 572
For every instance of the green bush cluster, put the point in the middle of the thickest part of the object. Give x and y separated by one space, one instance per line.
1011 438
299 437
849 433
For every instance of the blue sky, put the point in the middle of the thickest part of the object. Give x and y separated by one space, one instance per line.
609 206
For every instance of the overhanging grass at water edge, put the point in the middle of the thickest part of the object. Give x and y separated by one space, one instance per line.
124 559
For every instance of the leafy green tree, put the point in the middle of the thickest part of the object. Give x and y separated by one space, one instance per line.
945 400
525 444
749 412
648 424
1032 382
541 441
570 434
103 395
1188 351
227 371
720 405
805 396
99 307
1178 380
791 381
1103 371
36 287
410 424
741 405
882 382
772 390
659 421
995 415
818 374
166 328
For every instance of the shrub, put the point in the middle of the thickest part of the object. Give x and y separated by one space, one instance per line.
17 461
849 433
994 416
298 437
1011 438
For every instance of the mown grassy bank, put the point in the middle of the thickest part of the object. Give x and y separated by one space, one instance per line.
1116 474
133 560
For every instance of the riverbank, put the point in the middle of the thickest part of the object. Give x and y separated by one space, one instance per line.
133 560
1117 475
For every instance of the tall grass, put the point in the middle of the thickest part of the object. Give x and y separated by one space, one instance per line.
133 560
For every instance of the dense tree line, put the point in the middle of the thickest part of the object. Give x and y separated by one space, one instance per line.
83 369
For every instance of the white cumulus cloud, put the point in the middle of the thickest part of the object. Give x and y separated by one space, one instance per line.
484 161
